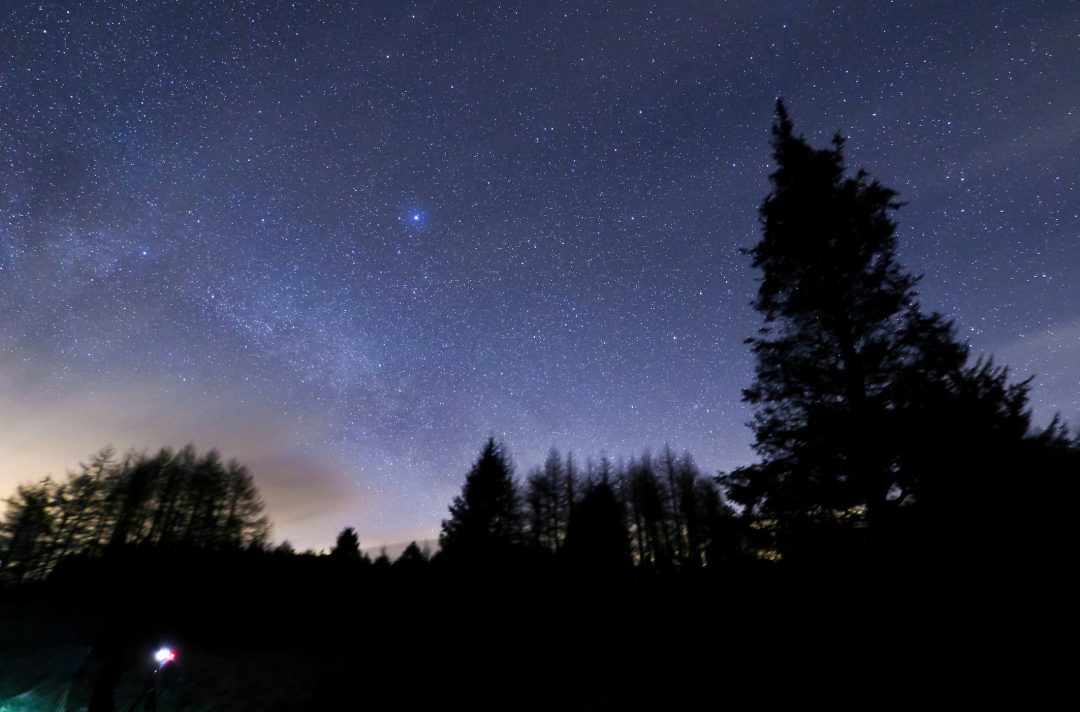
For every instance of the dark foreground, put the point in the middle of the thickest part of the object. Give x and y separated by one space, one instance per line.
330 637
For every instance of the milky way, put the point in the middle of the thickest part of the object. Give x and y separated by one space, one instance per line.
344 242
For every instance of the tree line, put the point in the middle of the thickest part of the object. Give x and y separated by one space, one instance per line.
656 512
880 439
172 498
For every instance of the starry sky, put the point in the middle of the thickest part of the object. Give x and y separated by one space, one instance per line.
343 242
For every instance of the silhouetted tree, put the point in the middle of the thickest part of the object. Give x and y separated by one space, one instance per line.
347 546
84 493
485 519
841 322
167 499
537 500
571 485
550 494
285 548
556 513
26 533
412 558
720 532
382 561
652 524
596 539
963 450
673 473
675 517
245 523
848 365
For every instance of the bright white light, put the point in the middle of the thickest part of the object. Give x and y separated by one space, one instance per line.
165 655
416 217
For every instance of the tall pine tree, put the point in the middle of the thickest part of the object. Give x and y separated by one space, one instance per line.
485 519
844 354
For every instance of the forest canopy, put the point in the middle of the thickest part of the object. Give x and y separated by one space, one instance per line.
173 498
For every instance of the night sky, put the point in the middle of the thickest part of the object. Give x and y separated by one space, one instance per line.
344 242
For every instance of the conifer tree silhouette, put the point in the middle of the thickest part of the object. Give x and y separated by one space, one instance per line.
844 354
485 519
